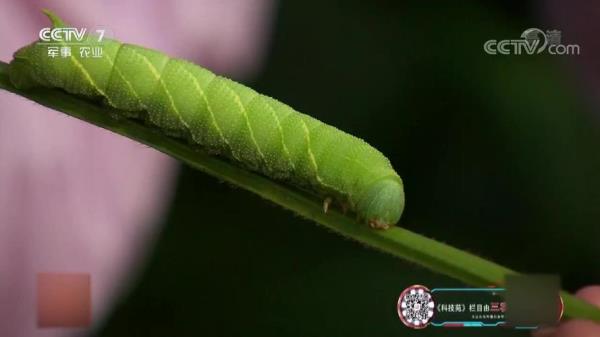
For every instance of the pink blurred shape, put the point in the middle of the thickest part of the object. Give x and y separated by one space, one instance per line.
64 300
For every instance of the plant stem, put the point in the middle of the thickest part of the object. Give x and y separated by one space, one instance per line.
396 241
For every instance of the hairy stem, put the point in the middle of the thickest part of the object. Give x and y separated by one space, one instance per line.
396 241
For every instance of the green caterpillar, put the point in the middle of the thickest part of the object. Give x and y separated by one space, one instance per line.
226 118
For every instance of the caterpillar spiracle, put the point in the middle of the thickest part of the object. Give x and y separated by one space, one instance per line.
226 118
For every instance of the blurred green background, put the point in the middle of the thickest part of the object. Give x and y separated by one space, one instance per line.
498 156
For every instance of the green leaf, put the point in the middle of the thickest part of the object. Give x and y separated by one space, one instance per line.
396 241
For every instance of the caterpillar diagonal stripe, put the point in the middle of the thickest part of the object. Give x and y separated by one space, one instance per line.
226 118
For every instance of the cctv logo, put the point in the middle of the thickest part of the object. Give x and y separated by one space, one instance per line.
66 34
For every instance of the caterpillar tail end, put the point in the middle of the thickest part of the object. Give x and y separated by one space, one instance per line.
20 70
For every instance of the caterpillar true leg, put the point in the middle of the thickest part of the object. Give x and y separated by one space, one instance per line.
375 224
326 204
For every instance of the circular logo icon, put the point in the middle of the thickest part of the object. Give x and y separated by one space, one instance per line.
415 306
561 308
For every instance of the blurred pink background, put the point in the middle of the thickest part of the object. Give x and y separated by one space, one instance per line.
76 198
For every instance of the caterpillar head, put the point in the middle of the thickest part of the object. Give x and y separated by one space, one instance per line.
381 205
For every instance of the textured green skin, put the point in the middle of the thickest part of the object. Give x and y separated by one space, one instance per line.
227 118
